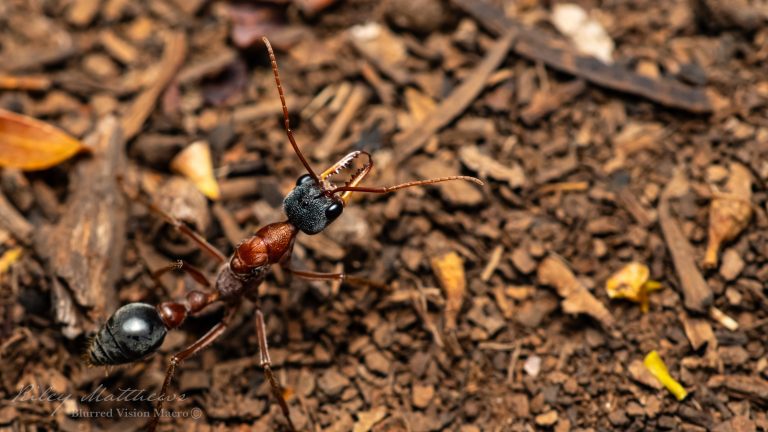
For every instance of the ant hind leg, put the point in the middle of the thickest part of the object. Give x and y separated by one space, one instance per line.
266 364
198 345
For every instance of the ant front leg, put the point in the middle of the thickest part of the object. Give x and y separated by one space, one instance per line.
176 359
180 226
266 364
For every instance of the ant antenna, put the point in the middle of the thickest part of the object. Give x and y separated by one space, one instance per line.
285 111
387 189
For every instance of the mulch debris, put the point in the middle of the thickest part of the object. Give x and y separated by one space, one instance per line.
493 314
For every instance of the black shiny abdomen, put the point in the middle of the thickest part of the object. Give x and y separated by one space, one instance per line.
132 332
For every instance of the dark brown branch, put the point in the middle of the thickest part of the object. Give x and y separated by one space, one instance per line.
537 46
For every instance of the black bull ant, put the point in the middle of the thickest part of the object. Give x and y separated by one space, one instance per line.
137 329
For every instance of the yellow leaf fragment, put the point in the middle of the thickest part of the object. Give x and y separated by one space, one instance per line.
656 366
449 269
8 258
30 144
729 212
196 164
631 283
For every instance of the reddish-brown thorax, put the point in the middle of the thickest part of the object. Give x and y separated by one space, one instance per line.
267 246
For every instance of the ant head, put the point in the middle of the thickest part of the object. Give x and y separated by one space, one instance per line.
313 204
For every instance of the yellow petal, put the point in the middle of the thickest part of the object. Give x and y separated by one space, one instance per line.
627 282
631 282
656 366
9 257
30 144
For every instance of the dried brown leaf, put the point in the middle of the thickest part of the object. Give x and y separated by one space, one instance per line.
30 144
729 212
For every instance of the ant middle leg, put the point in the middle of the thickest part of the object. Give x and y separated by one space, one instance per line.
191 270
344 277
266 363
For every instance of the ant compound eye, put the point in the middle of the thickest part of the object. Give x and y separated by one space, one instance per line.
303 179
334 211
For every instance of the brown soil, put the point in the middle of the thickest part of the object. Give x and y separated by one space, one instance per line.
494 315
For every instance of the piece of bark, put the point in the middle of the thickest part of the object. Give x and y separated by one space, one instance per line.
753 387
698 331
383 49
696 292
490 166
576 297
63 47
84 250
537 46
174 53
357 99
207 67
13 222
415 137
545 102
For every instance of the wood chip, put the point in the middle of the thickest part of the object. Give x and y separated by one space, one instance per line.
697 294
85 247
576 297
537 46
487 166
174 53
699 331
366 420
411 140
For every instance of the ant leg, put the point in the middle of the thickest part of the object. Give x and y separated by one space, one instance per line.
196 274
334 276
180 226
266 364
198 345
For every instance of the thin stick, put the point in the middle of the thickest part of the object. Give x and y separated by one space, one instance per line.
285 111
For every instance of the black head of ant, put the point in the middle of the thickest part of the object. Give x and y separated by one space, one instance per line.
315 202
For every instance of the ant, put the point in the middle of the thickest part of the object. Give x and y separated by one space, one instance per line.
137 330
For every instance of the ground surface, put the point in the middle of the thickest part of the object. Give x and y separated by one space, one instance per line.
576 173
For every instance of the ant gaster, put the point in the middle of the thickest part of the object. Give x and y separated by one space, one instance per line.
137 330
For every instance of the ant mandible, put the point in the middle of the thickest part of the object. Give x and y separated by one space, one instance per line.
137 330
